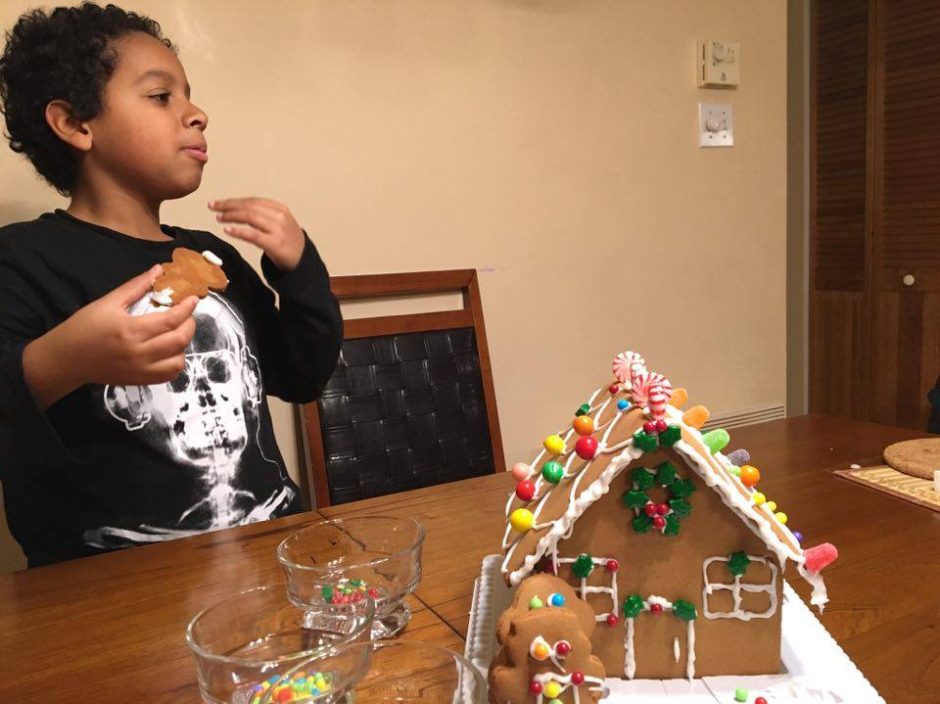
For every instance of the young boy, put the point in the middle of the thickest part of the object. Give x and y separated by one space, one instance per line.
124 421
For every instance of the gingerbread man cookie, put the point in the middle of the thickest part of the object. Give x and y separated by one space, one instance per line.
546 657
189 274
548 591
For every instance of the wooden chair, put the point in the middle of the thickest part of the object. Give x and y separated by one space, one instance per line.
411 402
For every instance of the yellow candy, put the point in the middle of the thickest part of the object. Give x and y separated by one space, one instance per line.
521 520
552 690
554 444
772 506
679 397
782 517
697 416
759 498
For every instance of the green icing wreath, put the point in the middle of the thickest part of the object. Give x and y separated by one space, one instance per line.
678 492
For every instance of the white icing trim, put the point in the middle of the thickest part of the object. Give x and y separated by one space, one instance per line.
544 678
212 258
736 587
584 589
629 646
163 297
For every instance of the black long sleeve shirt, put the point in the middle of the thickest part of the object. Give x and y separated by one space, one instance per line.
115 466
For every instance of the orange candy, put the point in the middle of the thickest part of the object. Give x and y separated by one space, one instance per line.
750 476
697 416
583 425
679 397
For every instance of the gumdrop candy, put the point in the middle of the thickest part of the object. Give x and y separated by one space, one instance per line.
716 440
697 416
820 556
739 457
679 397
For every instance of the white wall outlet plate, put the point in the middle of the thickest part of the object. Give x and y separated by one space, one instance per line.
719 64
715 125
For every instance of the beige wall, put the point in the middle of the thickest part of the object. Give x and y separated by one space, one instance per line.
551 144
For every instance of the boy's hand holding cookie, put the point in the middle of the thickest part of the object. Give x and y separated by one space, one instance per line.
104 344
266 223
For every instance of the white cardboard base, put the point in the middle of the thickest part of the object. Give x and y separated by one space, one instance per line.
817 670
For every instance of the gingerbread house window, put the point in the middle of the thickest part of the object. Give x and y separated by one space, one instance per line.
594 575
739 586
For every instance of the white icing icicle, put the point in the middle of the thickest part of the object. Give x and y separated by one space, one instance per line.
212 258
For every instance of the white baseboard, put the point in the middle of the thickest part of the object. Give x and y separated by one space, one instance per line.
747 416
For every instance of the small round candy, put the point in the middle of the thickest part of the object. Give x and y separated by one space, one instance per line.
552 690
656 608
373 592
798 536
661 426
562 648
520 471
555 444
649 427
612 566
556 599
781 516
659 522
760 700
740 694
586 447
583 425
540 651
772 506
552 472
759 498
535 688
662 509
650 509
535 603
612 620
736 471
521 520
525 490
623 404
577 678
614 388
750 476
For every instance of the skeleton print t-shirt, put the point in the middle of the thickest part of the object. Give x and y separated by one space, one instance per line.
114 466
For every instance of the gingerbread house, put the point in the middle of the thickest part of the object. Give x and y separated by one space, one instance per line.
670 541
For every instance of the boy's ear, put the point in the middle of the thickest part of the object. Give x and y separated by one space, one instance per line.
66 127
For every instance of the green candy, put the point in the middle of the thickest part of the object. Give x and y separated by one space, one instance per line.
682 488
716 440
740 694
644 441
736 471
672 525
583 409
681 507
634 499
535 603
684 610
670 436
553 472
633 606
642 478
665 473
327 593
583 566
738 563
642 523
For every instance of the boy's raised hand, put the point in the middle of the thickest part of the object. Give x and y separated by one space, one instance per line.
266 223
102 343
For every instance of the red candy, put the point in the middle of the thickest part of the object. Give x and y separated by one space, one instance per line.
577 678
535 687
820 556
760 700
373 592
650 509
586 447
284 694
661 426
612 566
612 620
562 648
662 509
613 388
659 522
525 490
656 608
649 427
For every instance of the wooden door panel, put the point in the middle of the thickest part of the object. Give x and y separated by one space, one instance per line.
838 319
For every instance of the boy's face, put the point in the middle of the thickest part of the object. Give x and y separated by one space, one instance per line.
140 137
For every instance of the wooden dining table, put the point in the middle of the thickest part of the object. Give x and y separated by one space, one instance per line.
111 628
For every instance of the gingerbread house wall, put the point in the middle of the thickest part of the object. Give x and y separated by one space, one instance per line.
671 567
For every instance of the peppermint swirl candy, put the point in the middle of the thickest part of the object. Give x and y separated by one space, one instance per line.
652 390
627 365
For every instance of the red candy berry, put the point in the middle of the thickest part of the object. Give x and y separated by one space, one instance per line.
612 566
662 509
535 688
649 427
650 509
661 426
613 388
760 700
659 522
656 608
373 592
525 490
612 620
562 648
577 678
586 447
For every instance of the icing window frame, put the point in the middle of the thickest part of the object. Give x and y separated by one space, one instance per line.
583 588
737 587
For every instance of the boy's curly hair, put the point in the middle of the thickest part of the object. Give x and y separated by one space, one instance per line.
64 55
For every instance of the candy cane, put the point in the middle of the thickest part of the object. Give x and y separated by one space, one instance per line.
653 390
627 365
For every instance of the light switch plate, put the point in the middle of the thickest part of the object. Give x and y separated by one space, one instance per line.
715 125
719 64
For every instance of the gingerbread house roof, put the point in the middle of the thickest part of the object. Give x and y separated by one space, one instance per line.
636 414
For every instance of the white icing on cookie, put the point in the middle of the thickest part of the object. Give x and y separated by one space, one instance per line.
212 258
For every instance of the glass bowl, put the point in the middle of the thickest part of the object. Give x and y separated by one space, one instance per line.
257 635
346 560
382 672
